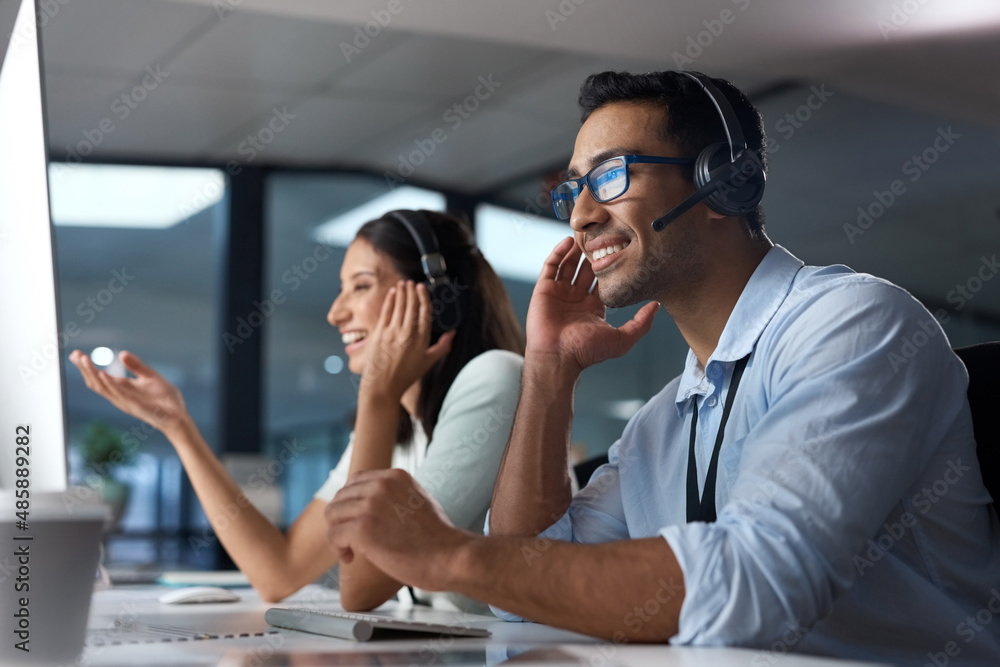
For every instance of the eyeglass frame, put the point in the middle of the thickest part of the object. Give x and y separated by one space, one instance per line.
627 160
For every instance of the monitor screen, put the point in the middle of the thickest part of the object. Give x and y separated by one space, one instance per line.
32 404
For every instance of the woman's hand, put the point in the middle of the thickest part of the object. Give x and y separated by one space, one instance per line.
148 396
399 350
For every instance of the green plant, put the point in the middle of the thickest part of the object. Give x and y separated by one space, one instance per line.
103 451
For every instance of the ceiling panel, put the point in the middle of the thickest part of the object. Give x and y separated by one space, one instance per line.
188 121
438 68
264 52
323 128
118 35
472 152
76 108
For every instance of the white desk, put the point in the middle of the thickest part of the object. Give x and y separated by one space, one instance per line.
532 643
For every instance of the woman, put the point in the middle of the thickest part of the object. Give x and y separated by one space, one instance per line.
440 409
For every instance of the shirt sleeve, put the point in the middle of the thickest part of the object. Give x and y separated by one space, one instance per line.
850 425
338 476
463 456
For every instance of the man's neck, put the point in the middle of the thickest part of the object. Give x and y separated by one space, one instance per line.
702 313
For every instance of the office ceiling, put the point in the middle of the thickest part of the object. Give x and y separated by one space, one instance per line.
201 77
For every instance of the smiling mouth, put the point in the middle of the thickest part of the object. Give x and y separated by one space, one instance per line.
601 253
351 337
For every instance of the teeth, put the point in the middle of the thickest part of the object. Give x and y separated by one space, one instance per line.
609 250
352 337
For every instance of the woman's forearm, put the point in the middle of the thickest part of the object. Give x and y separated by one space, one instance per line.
362 585
276 564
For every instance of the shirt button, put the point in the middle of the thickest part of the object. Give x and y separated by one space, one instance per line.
712 401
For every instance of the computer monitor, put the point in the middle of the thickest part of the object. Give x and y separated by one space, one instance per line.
32 395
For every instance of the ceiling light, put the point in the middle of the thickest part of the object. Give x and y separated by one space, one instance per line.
341 229
515 243
91 195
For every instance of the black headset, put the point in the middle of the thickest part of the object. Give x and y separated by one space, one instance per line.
446 295
728 176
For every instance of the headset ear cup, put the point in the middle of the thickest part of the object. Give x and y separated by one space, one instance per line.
742 181
446 307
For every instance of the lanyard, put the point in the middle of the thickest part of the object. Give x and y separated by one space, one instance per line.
704 509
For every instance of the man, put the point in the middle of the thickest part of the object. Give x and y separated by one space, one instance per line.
849 514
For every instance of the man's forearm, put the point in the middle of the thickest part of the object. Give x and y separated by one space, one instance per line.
621 591
533 486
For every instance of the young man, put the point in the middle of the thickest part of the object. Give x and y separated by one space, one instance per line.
849 513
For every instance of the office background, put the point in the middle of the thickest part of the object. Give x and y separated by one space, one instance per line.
211 159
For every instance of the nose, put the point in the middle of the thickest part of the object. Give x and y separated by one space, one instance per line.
586 212
338 312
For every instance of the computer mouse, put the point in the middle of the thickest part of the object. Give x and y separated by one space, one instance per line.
195 594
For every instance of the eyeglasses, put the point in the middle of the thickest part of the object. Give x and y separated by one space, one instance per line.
606 181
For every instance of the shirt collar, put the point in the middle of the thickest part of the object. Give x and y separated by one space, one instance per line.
763 295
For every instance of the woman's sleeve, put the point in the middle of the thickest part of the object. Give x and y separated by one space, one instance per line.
463 457
338 476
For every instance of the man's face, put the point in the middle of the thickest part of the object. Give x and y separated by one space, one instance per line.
649 265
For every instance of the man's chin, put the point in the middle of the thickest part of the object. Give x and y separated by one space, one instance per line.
613 294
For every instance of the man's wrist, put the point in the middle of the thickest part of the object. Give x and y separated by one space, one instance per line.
551 370
464 563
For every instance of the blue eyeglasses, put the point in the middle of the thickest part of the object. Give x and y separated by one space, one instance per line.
606 181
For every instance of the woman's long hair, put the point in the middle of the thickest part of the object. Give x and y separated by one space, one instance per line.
488 319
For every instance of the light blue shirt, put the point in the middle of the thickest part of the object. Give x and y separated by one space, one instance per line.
852 516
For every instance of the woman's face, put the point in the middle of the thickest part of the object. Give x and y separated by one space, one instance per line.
365 278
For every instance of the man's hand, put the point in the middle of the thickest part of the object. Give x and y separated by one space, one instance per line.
388 518
399 350
566 319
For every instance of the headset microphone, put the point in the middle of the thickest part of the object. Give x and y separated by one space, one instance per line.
686 205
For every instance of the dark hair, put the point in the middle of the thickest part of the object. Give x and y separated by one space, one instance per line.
692 120
488 318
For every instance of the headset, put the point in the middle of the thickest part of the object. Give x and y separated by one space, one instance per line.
447 297
728 176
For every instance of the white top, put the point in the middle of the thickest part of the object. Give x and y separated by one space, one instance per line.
459 466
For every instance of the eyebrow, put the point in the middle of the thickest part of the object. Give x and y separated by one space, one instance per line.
361 273
604 155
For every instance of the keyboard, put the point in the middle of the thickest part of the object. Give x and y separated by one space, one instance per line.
362 627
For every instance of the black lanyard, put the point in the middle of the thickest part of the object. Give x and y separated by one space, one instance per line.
704 509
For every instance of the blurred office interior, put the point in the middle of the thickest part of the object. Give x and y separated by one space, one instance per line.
211 159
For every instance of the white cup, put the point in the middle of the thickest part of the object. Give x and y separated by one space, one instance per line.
47 576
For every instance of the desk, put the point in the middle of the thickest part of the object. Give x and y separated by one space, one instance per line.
530 642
